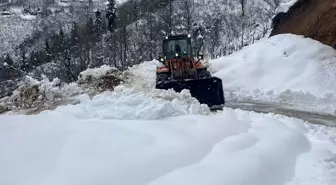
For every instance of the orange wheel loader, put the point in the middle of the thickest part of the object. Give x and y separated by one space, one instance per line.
181 69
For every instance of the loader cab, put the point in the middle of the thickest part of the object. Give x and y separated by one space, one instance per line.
178 46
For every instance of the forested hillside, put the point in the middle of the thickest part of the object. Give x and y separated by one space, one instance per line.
62 38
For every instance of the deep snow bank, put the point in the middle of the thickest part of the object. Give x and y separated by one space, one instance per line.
286 68
232 147
319 165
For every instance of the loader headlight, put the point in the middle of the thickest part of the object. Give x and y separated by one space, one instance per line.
161 59
176 54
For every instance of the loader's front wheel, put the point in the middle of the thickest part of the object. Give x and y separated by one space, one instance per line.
203 73
162 77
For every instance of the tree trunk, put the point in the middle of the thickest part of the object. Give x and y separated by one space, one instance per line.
125 44
170 17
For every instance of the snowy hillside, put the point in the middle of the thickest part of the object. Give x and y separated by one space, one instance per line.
13 31
285 68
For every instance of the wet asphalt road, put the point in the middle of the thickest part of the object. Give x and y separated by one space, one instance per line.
262 107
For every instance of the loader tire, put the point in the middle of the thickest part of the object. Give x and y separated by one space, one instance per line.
203 74
162 77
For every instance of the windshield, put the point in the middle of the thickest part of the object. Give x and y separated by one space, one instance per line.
177 46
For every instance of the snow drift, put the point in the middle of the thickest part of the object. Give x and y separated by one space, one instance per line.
230 147
284 68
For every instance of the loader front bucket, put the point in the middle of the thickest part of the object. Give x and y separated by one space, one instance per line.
207 91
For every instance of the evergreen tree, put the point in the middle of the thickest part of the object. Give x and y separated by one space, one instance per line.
24 62
111 15
47 51
33 61
90 32
188 14
99 24
74 37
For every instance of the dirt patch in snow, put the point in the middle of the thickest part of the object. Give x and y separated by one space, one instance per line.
315 19
33 96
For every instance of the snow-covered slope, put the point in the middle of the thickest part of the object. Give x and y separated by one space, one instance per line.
138 136
284 68
13 31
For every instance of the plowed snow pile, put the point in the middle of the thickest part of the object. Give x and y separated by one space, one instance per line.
284 68
128 104
135 99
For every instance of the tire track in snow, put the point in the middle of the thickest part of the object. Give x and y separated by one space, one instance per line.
277 108
263 156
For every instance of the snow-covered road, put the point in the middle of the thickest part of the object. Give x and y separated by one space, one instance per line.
320 118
